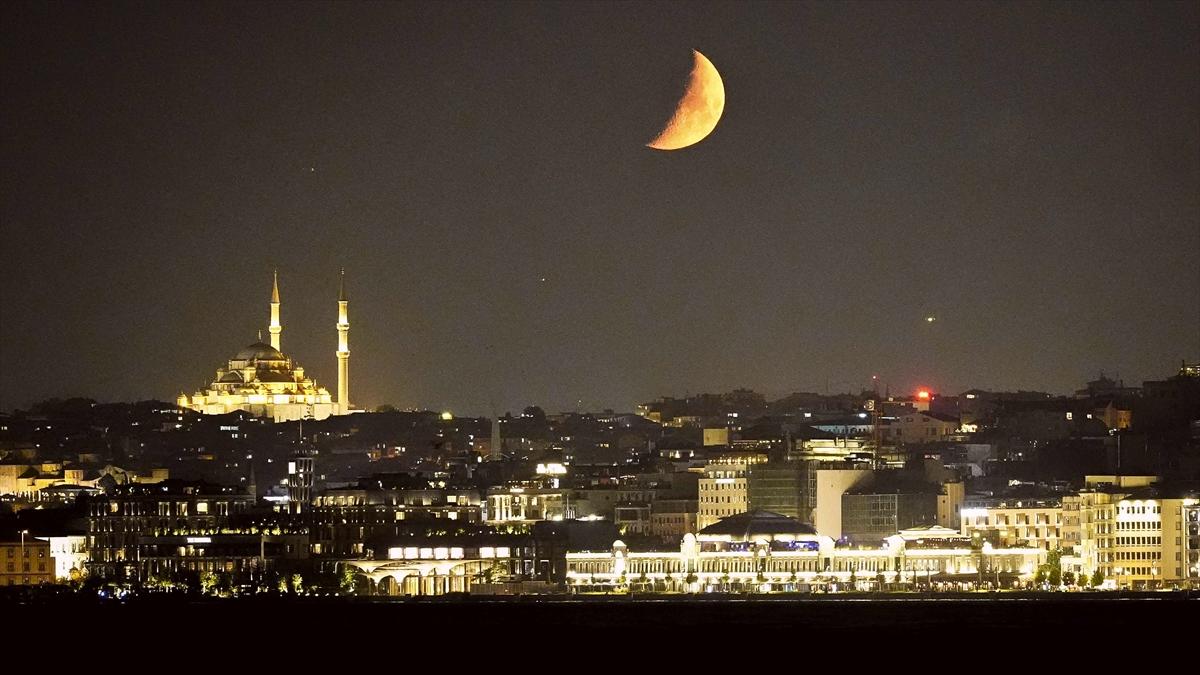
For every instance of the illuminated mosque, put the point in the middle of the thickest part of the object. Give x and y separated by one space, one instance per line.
263 381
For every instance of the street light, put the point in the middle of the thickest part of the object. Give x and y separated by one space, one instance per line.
24 564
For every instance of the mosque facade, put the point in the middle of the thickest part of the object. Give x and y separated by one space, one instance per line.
262 380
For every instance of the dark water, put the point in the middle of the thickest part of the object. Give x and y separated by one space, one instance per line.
371 629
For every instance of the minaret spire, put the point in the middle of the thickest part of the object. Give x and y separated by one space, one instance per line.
275 328
343 352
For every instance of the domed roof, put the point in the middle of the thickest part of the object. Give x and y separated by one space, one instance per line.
231 376
757 523
260 352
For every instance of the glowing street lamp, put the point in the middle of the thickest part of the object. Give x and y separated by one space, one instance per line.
24 564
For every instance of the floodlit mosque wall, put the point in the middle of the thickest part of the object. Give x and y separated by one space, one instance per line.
263 381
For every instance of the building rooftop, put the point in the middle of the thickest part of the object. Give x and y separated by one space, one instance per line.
1164 491
757 523
260 351
178 487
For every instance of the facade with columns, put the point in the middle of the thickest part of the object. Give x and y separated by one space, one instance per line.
761 551
262 380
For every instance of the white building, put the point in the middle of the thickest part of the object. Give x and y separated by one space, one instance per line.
1152 539
70 554
517 505
761 551
1126 530
1013 521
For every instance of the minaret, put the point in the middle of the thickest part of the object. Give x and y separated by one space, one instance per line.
343 352
275 328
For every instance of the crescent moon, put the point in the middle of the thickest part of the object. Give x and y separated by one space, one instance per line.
698 111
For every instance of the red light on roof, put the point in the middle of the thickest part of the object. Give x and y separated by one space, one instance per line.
923 395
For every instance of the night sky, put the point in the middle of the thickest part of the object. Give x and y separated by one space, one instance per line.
1027 173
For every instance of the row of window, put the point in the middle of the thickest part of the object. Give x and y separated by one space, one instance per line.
723 499
1137 555
876 523
15 551
1141 541
1019 519
141 525
1139 525
929 431
164 508
12 567
1033 532
704 487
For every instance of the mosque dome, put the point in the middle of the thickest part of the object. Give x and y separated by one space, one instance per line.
260 351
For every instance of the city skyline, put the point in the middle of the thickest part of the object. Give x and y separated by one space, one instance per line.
1024 174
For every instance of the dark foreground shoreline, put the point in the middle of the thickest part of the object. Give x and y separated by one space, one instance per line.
863 629
914 613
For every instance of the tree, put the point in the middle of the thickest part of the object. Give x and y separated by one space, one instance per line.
208 583
1054 568
497 570
1051 571
1068 578
346 582
1097 578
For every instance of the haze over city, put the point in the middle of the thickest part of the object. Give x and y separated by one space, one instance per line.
1025 174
